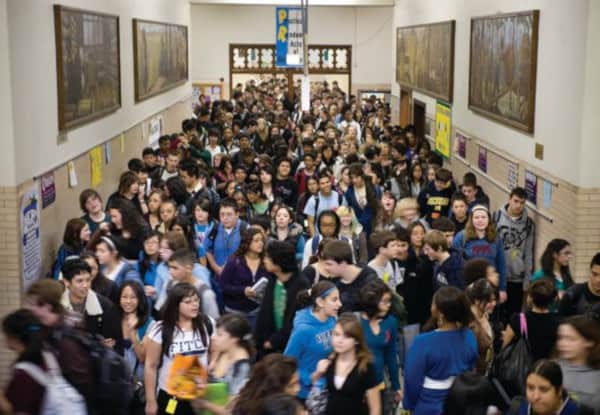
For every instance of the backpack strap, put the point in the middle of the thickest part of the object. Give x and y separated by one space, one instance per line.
523 321
316 205
35 372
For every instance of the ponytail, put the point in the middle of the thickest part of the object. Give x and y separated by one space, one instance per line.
308 298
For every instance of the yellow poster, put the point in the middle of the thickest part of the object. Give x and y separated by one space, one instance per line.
96 162
443 128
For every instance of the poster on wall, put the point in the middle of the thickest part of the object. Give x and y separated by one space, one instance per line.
513 175
48 189
460 145
96 162
31 252
443 128
482 159
154 131
547 194
531 186
289 41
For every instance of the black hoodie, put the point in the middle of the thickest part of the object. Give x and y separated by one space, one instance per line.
417 287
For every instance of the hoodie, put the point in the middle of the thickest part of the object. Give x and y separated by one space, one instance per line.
482 248
310 342
518 236
449 272
434 203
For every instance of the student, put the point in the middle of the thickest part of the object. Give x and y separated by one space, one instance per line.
155 200
284 186
274 375
478 268
352 231
578 347
326 199
385 245
203 223
479 239
97 312
547 394
445 226
434 200
147 264
231 359
381 334
151 162
227 236
171 163
350 373
310 340
265 178
181 265
183 330
328 226
312 189
417 233
100 284
555 265
416 179
309 170
242 270
470 394
127 228
473 193
459 211
195 180
363 197
129 191
385 213
430 369
583 297
283 228
113 265
337 257
282 404
90 203
76 236
407 212
542 325
482 296
517 230
277 309
448 262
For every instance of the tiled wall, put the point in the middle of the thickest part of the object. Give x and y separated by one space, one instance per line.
573 214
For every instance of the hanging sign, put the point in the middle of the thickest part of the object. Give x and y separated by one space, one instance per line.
289 40
31 246
443 127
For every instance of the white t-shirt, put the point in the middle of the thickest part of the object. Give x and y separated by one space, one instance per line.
391 275
330 202
184 342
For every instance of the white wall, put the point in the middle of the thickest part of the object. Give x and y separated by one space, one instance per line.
560 80
7 155
367 29
34 91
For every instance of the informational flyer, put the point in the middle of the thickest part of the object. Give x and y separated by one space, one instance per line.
461 145
31 252
96 163
48 185
531 186
482 159
443 128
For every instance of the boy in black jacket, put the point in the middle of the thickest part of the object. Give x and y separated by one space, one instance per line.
434 200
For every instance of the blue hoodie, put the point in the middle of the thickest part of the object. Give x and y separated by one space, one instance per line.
449 272
481 248
310 342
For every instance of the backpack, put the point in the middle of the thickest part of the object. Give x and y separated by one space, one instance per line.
112 384
340 200
215 230
60 396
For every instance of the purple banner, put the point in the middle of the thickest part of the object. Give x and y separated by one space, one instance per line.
482 159
531 186
462 145
48 189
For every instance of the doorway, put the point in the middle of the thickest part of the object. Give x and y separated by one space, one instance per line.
405 107
419 120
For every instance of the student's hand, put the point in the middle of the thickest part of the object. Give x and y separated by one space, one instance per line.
105 226
503 297
151 408
249 292
322 366
109 342
218 270
150 291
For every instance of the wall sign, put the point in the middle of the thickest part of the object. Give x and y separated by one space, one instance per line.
31 252
531 186
482 159
289 41
48 189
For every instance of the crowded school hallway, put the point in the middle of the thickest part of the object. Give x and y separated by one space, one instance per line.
378 207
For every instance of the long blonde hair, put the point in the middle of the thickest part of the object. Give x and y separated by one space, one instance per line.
351 327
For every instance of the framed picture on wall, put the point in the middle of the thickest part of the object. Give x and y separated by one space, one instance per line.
160 53
87 64
425 58
503 67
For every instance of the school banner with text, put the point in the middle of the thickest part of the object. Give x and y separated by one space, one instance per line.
289 43
443 128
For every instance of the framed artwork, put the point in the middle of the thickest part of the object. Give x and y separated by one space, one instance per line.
503 67
87 64
160 57
425 58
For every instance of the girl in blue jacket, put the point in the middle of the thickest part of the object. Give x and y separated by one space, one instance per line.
311 337
479 239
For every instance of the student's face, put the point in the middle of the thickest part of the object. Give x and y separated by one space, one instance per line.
265 177
542 395
150 160
93 204
439 184
594 282
293 386
284 169
104 254
516 205
200 215
168 212
469 192
165 251
269 264
459 209
312 186
93 267
402 252
492 275
325 185
85 233
411 139
330 304
388 202
116 218
332 268
430 252
79 286
189 307
179 271
571 345
164 145
228 217
480 220
340 342
151 246
309 163
240 176
187 179
258 243
416 236
282 218
385 304
430 174
172 162
128 301
449 237
346 220
563 256
390 251
222 341
327 226
134 188
417 173
154 202
345 177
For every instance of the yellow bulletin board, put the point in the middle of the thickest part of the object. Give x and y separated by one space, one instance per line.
443 128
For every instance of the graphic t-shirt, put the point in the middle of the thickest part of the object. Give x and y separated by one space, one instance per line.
187 343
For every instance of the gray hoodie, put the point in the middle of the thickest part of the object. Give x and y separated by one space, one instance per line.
518 235
583 384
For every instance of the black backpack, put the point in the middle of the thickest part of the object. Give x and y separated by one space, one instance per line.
112 386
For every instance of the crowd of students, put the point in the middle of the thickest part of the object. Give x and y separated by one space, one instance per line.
320 261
